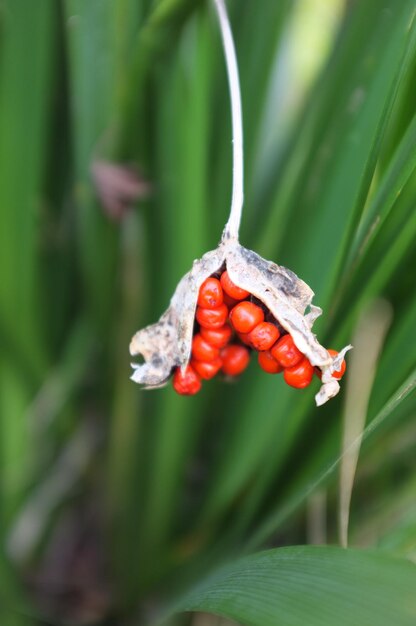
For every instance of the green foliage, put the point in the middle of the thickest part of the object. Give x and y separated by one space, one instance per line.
311 585
177 486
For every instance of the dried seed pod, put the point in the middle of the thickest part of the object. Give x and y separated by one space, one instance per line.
286 298
167 344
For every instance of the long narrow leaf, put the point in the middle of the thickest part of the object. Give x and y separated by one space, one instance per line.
311 585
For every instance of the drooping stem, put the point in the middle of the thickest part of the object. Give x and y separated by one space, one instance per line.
233 224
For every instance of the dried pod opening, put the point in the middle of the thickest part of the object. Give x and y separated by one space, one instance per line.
249 326
219 317
274 298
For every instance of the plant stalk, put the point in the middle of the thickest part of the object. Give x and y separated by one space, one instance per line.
232 226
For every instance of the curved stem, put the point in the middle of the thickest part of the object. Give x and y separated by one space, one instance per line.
233 224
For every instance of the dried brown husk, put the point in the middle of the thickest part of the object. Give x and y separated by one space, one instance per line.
167 344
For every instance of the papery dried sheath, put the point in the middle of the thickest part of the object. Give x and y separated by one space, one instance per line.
167 344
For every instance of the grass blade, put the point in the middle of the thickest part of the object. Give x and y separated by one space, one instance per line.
311 585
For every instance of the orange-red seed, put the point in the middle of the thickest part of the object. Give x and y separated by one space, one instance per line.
285 352
338 374
245 316
263 336
202 350
210 293
268 363
230 302
212 318
299 376
218 337
188 383
244 338
231 288
207 369
235 359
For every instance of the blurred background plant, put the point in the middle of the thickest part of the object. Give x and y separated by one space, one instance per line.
115 173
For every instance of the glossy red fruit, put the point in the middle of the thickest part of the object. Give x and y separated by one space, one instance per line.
230 302
285 352
234 359
202 350
338 374
218 337
244 338
231 288
188 383
210 293
300 375
268 363
207 369
212 318
263 336
245 316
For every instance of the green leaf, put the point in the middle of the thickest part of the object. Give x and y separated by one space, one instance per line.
26 67
400 169
317 586
92 81
24 78
312 477
322 192
154 38
339 145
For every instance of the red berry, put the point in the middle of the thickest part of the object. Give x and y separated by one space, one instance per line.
218 337
207 369
231 288
202 350
212 318
245 316
234 359
285 352
338 374
263 336
268 363
210 293
230 302
300 375
244 338
188 383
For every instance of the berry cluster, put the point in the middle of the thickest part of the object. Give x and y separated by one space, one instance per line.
230 323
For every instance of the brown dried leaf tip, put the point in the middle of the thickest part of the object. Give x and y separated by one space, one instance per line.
167 345
118 186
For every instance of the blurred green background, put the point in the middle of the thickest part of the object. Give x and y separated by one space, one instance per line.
115 173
